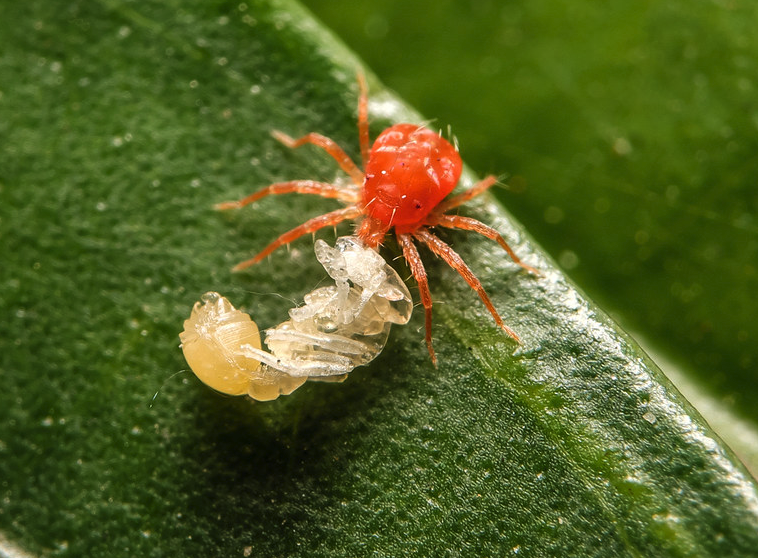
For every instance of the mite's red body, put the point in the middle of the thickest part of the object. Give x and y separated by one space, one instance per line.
409 171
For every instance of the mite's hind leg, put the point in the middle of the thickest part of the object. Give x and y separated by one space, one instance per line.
411 255
476 190
454 260
469 224
312 225
328 145
323 189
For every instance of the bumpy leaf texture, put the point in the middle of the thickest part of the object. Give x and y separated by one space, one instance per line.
121 125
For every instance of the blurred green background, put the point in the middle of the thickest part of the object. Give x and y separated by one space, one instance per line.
628 132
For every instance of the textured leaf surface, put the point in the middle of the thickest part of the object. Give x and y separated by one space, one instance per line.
121 125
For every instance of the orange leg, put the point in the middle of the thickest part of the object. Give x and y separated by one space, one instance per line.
476 190
469 224
328 145
363 118
310 226
322 189
411 255
456 262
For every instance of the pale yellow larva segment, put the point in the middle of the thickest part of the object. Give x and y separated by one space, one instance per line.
211 342
272 384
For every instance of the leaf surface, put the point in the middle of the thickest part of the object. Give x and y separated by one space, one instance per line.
124 124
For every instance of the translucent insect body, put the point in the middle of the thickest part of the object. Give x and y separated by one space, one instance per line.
409 171
339 327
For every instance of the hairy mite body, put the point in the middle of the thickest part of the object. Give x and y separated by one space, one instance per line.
409 171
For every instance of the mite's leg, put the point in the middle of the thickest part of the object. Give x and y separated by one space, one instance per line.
312 225
456 262
476 190
363 118
322 189
411 255
328 145
469 224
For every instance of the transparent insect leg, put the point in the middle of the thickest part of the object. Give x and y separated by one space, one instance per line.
323 189
310 226
316 353
456 262
469 224
299 360
411 255
328 145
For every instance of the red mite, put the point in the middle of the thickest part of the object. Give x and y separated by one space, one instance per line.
408 173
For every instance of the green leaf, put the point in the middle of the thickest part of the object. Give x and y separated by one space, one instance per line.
629 131
122 124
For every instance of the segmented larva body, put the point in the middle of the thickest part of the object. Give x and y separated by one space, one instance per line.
339 327
212 342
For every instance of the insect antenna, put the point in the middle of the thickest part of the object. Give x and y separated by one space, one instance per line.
167 380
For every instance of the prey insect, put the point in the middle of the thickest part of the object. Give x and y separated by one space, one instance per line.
403 184
339 327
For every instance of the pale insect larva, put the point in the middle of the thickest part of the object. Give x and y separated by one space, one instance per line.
211 343
339 327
